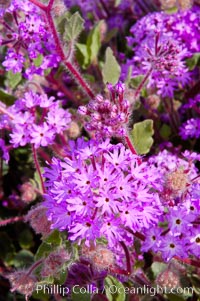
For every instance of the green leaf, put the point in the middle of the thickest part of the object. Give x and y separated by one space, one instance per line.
157 268
141 136
73 27
13 78
49 244
94 42
6 98
111 69
23 259
43 251
165 131
135 81
83 55
193 61
26 239
54 238
40 294
115 290
38 60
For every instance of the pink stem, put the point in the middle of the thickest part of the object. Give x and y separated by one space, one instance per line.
139 88
37 166
40 5
132 149
11 220
34 266
128 260
76 74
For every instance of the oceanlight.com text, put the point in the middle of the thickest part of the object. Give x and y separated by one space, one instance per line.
113 289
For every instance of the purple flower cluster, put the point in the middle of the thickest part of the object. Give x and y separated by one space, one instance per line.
164 53
28 38
107 117
177 233
190 129
36 119
115 15
100 190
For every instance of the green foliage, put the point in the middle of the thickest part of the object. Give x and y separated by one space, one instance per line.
40 295
13 79
165 131
157 268
7 99
83 55
38 60
7 249
195 284
111 69
141 136
87 53
23 258
115 290
26 239
193 61
135 81
53 241
94 42
73 27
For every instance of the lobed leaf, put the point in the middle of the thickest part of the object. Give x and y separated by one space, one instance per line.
141 136
111 69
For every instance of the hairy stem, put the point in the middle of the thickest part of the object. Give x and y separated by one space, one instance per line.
11 220
139 88
73 70
37 166
132 149
34 266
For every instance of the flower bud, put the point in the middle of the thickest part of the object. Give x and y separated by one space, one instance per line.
54 262
82 110
177 181
153 101
27 192
22 282
101 257
169 279
38 220
74 130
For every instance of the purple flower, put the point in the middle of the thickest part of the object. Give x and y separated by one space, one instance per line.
98 185
37 119
190 129
14 61
171 246
41 135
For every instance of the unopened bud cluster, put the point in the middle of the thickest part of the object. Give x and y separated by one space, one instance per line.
22 282
28 193
169 279
107 117
182 4
100 256
38 220
177 182
54 262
